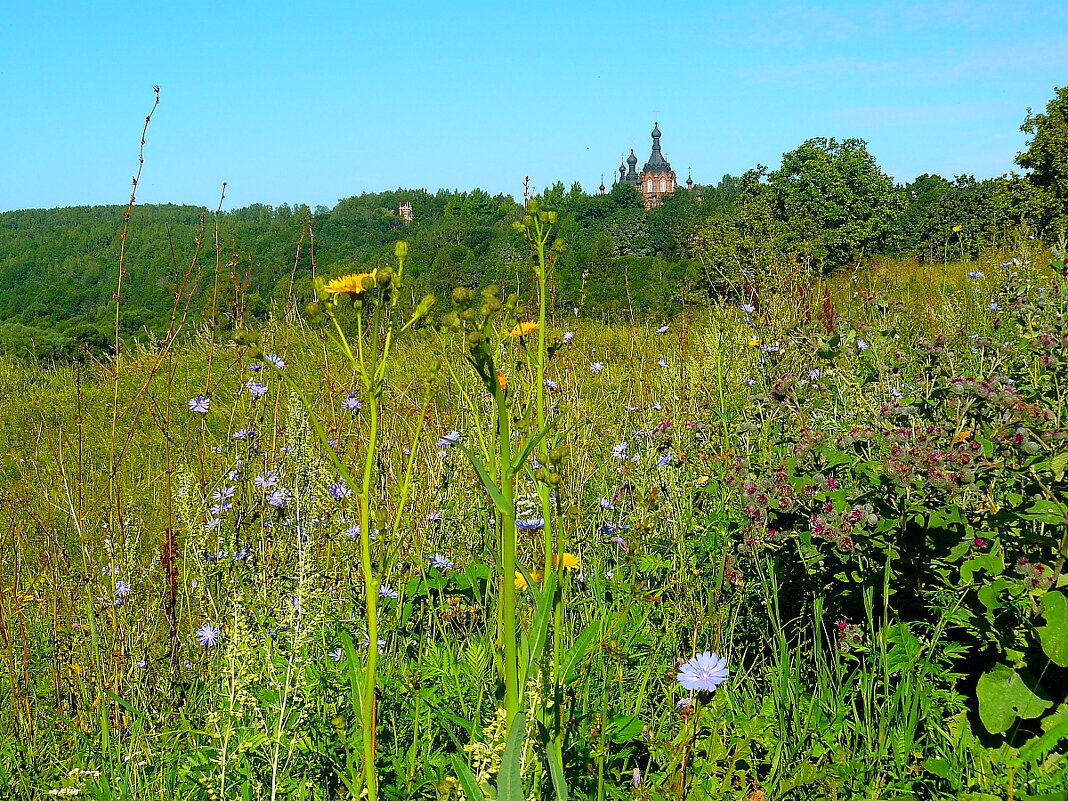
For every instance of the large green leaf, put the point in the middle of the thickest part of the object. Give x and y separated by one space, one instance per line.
1054 635
510 778
1004 697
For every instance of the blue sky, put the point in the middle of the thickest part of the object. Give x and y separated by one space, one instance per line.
312 102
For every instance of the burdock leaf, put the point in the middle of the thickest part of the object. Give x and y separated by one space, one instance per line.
1054 635
1004 696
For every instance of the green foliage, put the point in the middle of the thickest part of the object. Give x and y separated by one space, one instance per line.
1046 157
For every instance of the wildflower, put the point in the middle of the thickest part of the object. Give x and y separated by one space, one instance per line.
386 591
596 367
568 336
276 360
684 704
551 384
122 588
255 367
265 480
530 524
748 308
352 402
814 374
958 228
620 451
352 284
257 389
862 345
566 561
523 329
619 541
636 777
502 380
337 654
279 498
367 641
243 433
658 406
449 439
295 602
520 581
607 504
662 363
441 562
662 329
755 343
142 663
353 532
339 490
993 307
664 460
975 274
199 404
748 382
704 672
209 635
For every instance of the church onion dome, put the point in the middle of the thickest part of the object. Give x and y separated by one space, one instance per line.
656 163
689 182
632 160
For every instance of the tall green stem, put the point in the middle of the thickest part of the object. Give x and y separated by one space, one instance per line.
508 628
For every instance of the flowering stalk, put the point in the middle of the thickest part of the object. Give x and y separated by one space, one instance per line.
370 362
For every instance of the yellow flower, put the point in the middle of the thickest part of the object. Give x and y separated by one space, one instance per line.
523 329
520 581
755 343
502 380
352 284
958 228
567 561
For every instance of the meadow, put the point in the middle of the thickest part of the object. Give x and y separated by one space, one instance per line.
804 542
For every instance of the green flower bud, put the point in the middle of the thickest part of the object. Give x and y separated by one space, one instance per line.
554 479
532 205
527 221
384 278
474 339
461 296
468 315
246 338
451 321
319 284
519 227
401 250
553 217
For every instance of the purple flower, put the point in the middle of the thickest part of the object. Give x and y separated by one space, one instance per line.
620 451
279 498
662 363
385 591
276 360
209 635
568 336
596 367
353 532
244 433
441 562
257 389
664 460
122 588
449 439
530 524
684 704
352 402
199 404
975 274
265 481
337 654
993 307
748 308
862 345
551 384
662 329
339 490
705 672
255 367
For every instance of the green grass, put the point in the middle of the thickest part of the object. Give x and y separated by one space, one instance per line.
99 470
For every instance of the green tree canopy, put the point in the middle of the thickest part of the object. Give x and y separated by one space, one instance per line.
1046 156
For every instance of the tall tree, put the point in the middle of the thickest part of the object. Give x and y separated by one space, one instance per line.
835 200
1046 156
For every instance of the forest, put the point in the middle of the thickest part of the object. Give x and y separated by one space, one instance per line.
828 205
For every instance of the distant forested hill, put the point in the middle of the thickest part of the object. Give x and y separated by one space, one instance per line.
828 204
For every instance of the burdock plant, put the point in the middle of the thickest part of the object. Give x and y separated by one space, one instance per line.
371 298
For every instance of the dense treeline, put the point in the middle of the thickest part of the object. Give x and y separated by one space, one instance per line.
827 205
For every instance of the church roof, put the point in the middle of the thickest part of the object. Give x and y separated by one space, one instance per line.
656 162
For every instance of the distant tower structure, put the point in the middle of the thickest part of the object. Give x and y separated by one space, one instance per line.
602 183
406 212
656 178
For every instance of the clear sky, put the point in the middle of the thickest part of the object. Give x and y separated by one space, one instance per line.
306 101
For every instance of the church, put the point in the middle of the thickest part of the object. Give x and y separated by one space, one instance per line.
656 179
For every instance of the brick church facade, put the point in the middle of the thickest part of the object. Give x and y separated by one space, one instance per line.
656 178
